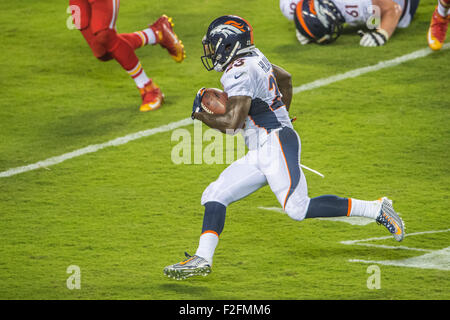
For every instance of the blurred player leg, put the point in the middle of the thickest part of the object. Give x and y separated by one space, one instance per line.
98 26
160 32
104 16
439 24
83 8
139 39
166 38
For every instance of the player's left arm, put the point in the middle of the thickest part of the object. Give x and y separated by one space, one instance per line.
233 119
284 81
390 12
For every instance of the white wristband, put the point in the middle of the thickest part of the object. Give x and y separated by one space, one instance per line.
384 33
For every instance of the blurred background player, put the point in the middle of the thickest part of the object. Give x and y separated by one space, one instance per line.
321 21
259 98
439 25
96 19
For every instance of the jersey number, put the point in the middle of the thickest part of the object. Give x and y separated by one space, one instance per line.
274 86
239 62
352 10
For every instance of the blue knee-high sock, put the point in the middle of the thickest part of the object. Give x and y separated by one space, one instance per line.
214 218
327 206
213 223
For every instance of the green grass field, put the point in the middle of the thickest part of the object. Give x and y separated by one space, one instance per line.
123 213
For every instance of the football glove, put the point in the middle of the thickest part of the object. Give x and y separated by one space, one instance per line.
373 38
197 106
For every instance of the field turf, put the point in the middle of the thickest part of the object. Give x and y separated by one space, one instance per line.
123 213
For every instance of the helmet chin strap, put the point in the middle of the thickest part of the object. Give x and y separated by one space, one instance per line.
220 67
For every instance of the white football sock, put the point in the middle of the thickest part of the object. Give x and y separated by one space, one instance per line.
141 80
139 76
150 35
368 209
207 245
442 10
147 36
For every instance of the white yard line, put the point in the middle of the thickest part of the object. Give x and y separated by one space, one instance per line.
358 242
174 125
358 72
361 242
96 147
432 259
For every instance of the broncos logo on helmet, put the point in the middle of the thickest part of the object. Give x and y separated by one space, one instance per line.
225 30
319 21
227 37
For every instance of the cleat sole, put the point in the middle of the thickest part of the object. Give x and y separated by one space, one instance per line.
184 274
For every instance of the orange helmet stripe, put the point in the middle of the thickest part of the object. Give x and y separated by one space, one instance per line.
240 26
300 18
311 7
251 30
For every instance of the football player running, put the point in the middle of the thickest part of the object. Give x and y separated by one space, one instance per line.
321 21
260 95
96 19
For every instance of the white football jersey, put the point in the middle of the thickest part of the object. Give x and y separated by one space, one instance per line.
287 7
355 12
252 76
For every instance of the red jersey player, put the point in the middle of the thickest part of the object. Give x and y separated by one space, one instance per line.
439 25
96 19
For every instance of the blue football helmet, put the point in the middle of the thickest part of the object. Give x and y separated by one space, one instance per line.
319 21
227 37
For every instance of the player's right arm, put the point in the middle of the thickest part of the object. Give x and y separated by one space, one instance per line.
284 81
233 119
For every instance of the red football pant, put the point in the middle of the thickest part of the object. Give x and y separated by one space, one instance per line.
96 20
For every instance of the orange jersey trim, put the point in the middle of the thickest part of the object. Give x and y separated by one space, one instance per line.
349 207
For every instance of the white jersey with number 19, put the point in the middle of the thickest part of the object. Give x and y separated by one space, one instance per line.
355 12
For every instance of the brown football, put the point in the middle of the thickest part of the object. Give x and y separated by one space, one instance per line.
214 101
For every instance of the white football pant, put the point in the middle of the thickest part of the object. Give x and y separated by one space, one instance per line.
276 163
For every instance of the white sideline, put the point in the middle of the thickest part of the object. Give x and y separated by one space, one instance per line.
360 71
95 147
181 123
